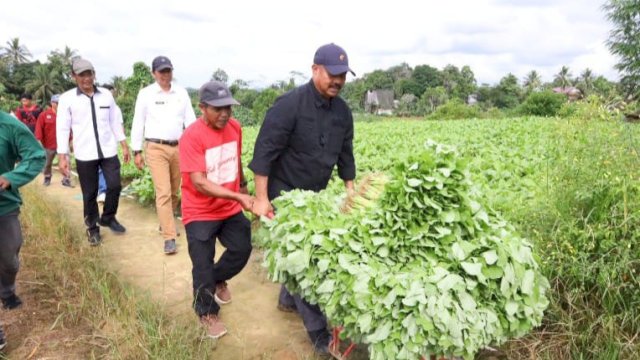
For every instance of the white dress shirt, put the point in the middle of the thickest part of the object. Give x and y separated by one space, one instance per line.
90 133
161 115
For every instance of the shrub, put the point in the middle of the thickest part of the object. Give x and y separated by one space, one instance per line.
545 103
453 110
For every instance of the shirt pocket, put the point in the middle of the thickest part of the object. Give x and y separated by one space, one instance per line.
337 134
305 137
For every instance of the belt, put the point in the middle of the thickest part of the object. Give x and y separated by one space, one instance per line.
163 142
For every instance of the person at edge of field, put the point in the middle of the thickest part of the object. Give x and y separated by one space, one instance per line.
306 132
17 143
214 193
102 183
46 134
163 110
28 112
89 111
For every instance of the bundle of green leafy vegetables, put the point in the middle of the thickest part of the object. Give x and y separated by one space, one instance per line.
412 264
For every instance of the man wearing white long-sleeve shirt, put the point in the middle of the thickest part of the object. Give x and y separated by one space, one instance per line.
163 110
89 112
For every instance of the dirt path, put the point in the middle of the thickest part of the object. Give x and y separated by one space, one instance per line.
256 329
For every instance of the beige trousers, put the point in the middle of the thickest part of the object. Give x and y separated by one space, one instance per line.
163 162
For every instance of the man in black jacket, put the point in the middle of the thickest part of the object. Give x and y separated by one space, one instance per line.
305 134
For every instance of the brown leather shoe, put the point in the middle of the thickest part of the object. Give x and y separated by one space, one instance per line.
222 295
215 327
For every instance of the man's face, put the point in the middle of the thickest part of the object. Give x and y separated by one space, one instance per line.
216 117
25 102
85 80
54 106
163 77
328 85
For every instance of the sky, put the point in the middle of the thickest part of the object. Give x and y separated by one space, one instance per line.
262 42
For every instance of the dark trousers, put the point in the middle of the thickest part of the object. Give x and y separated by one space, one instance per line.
312 316
88 176
234 234
10 244
51 154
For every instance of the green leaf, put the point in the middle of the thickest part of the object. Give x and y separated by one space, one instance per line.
490 257
474 269
414 182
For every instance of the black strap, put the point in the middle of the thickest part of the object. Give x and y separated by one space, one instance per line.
95 127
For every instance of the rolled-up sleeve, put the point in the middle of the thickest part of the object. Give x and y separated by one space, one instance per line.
273 137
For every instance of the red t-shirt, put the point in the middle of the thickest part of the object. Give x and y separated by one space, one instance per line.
46 129
216 153
28 116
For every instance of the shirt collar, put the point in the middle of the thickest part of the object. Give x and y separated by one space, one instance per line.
158 89
79 92
319 101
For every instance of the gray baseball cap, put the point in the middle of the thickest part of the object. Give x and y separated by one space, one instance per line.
216 94
81 65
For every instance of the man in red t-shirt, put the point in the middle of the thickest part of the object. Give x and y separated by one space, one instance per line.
214 193
28 113
46 134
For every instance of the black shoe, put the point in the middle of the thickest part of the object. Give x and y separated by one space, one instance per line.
47 181
114 225
67 182
94 237
170 247
11 302
320 340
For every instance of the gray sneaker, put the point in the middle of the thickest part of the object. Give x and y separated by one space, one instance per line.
170 247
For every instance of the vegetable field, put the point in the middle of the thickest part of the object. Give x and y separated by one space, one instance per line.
570 187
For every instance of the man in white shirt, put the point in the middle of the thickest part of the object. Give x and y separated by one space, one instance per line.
90 112
163 110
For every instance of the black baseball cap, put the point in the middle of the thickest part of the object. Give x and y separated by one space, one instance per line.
333 58
161 63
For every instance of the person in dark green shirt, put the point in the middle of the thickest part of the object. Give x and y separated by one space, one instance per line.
21 159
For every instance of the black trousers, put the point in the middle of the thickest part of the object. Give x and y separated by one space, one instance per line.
88 176
234 234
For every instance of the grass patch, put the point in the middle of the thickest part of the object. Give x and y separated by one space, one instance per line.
117 321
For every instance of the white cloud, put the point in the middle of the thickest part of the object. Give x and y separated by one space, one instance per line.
263 42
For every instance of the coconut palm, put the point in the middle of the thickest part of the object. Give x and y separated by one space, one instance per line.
532 81
15 53
563 78
44 83
586 81
118 85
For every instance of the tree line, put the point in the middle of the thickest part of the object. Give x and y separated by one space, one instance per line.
418 91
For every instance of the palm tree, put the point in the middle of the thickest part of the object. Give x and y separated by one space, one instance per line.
586 80
563 78
532 81
15 53
118 85
44 83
